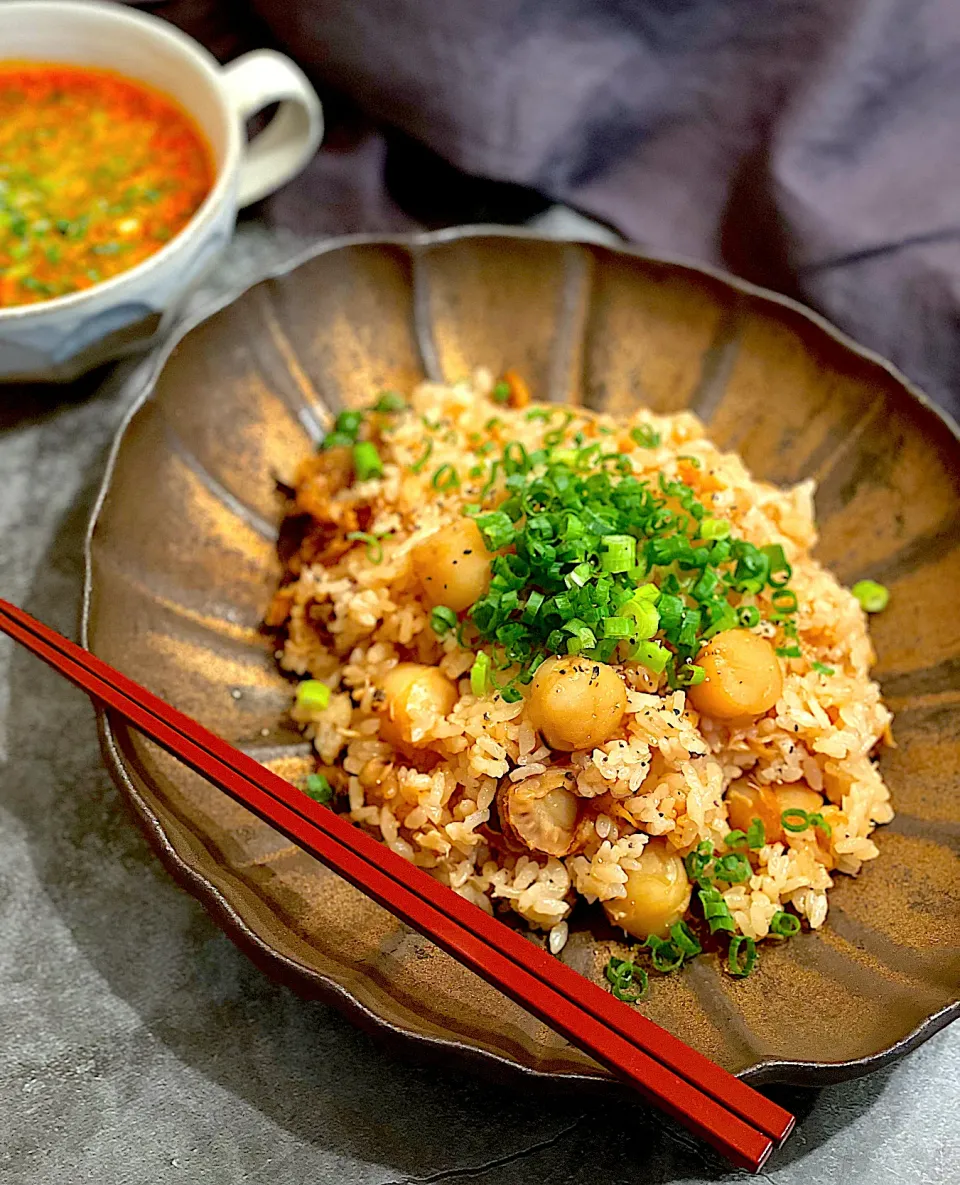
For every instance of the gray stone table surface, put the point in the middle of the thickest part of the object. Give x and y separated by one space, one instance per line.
139 1047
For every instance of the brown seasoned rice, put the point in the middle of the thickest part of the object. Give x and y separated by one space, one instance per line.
347 621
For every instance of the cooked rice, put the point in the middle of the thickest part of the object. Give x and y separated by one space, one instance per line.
351 620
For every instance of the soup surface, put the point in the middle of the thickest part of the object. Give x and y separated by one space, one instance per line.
97 172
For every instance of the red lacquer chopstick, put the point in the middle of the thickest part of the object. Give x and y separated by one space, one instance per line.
712 1102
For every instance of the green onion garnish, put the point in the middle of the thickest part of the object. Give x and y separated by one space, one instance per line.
789 652
445 478
684 940
784 925
738 965
714 528
373 542
623 569
366 461
756 835
389 402
496 529
700 862
795 820
618 553
480 674
629 982
873 597
715 910
418 465
348 422
735 840
645 436
822 669
665 955
336 440
500 392
319 789
734 868
313 695
651 655
442 620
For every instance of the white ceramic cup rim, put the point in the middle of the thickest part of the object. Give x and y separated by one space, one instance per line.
201 60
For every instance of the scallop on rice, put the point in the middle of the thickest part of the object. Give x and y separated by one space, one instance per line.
546 654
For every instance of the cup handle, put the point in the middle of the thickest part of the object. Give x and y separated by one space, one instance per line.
291 138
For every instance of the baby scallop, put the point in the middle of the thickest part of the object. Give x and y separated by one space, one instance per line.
542 812
658 893
576 703
453 565
742 676
414 698
747 801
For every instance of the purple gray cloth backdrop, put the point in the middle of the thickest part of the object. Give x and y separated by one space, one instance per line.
810 145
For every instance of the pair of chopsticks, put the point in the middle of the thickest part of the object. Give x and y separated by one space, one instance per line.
735 1119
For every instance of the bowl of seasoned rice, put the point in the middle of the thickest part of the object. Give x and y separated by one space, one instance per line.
609 590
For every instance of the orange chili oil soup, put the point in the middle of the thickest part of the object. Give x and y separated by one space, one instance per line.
97 172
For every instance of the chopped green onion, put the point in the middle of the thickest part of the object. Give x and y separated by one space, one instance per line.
698 863
779 571
366 461
795 820
748 616
617 627
496 528
336 440
373 542
442 620
665 955
628 981
714 528
500 392
873 597
515 459
684 940
646 619
583 636
480 674
619 553
694 461
789 652
389 402
738 965
445 478
756 835
822 668
735 839
313 695
651 655
689 675
734 868
716 911
817 820
645 436
348 422
319 789
424 457
784 925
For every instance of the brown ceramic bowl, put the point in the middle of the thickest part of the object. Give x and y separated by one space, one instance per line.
181 565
